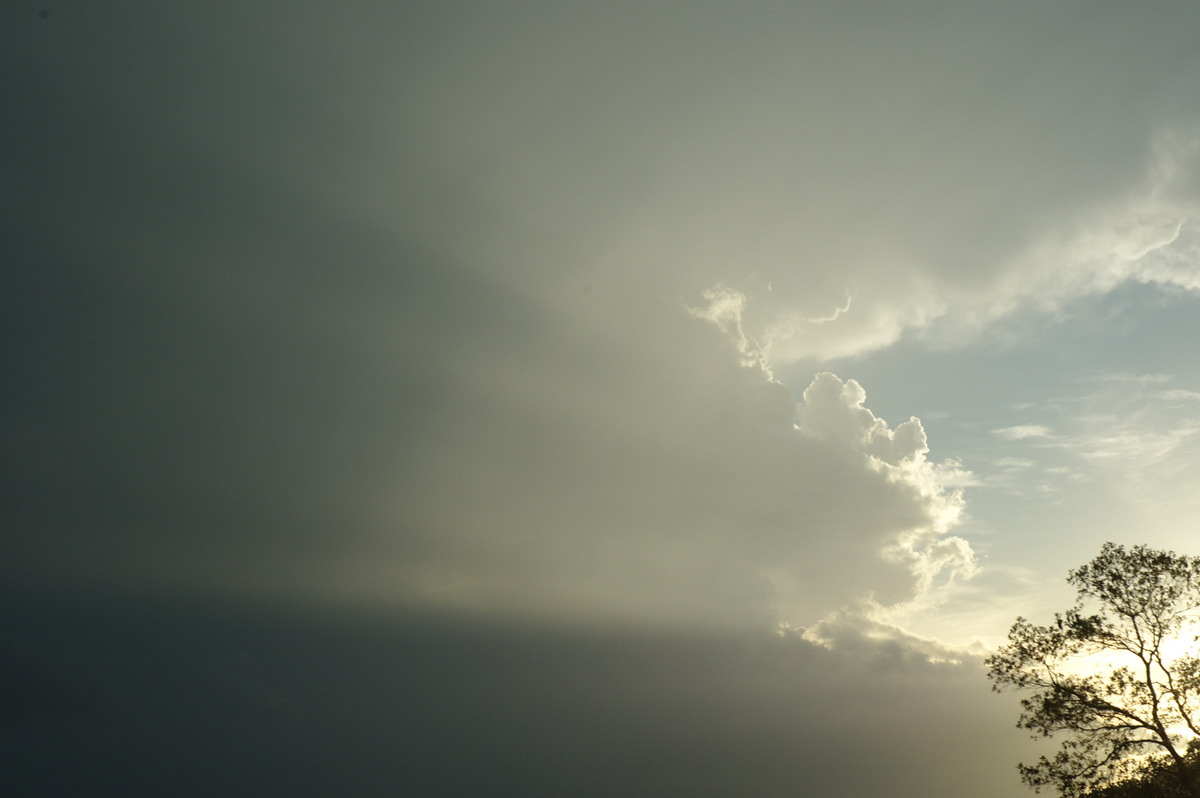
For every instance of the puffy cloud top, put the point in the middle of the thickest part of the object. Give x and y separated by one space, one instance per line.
833 409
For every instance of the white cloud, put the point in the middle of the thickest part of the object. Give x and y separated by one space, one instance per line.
725 309
1179 395
1149 233
834 410
1025 431
877 642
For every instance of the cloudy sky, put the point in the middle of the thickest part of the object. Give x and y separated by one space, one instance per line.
656 399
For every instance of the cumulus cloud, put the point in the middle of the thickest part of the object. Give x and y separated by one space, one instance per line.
694 494
881 644
834 410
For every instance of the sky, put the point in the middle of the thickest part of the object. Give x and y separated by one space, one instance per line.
659 398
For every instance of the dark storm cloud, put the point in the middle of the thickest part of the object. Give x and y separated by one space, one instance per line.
187 699
195 350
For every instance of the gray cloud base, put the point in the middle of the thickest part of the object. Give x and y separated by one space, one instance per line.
196 699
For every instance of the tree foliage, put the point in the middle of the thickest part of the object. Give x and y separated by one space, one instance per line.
1156 779
1101 677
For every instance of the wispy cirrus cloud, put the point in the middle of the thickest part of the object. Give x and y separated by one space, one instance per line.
1178 395
1131 435
1022 432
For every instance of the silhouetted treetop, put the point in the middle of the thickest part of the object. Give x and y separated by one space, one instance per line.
1101 676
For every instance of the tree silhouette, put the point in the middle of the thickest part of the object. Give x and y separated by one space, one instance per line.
1102 676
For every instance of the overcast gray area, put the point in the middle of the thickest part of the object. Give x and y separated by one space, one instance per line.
121 698
484 398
